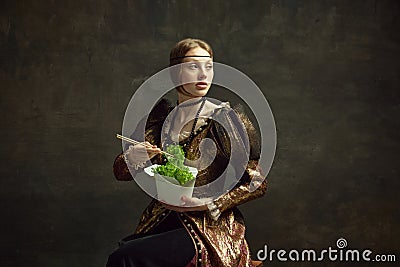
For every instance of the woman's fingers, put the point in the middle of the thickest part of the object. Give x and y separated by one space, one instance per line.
191 200
151 148
154 150
143 152
198 207
149 145
146 148
195 200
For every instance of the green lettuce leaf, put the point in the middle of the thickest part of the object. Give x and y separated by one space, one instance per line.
174 167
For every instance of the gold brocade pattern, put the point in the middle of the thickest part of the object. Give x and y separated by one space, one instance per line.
220 243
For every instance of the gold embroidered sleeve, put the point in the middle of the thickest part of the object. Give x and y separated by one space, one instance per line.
243 143
148 130
252 185
121 171
124 173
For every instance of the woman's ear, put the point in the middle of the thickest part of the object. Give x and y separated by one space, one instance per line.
175 73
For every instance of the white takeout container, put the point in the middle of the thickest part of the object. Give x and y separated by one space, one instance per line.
168 189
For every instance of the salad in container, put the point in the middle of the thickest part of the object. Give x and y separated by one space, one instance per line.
174 179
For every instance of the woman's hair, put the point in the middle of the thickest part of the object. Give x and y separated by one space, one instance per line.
182 47
177 54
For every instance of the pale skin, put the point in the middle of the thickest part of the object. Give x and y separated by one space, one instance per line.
197 74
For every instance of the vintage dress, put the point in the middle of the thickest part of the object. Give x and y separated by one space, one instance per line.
219 243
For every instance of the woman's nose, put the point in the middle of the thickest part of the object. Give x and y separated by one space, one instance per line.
202 75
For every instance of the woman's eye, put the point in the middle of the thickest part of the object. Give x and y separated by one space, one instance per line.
209 67
193 66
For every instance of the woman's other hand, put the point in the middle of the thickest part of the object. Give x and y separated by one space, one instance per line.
189 204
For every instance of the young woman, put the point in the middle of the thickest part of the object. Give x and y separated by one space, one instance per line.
197 233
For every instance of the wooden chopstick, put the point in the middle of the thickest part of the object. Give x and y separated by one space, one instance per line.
124 138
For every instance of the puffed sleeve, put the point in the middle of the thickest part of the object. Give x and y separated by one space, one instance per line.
122 171
245 155
152 125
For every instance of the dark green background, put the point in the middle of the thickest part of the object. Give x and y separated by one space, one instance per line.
329 69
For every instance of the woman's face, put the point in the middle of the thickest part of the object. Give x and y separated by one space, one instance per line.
197 72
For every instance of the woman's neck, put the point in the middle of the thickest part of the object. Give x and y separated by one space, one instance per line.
182 98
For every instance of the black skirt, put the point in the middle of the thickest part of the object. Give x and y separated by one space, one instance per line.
168 244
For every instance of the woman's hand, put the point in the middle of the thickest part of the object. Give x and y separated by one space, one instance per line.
142 153
189 204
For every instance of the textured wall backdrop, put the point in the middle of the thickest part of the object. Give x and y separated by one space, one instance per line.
329 69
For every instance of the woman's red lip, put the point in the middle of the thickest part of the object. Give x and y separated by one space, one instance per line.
201 83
